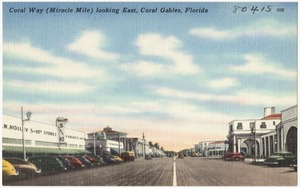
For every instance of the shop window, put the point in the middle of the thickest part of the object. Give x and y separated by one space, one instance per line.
80 146
11 141
15 141
72 145
263 125
239 126
41 143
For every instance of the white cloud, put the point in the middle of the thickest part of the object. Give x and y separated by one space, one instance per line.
256 64
250 98
223 83
265 27
168 48
49 86
211 33
49 64
91 44
145 68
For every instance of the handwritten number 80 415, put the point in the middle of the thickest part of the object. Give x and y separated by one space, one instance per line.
255 9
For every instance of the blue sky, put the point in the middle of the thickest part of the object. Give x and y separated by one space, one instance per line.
177 77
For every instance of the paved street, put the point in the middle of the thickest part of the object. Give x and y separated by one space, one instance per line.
160 172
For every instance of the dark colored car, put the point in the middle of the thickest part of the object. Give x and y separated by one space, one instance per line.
148 157
281 158
66 163
294 164
180 156
47 164
92 160
74 161
234 156
25 168
97 158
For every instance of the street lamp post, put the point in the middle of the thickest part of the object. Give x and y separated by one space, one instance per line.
28 114
253 132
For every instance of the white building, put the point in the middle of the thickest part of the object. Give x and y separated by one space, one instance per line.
202 147
242 132
217 148
287 130
39 138
106 142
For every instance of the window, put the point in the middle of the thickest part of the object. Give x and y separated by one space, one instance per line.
239 126
15 141
273 122
41 143
72 145
230 128
263 125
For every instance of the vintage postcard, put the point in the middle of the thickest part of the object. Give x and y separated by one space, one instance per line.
149 93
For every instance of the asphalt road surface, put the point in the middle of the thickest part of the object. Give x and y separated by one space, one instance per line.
166 171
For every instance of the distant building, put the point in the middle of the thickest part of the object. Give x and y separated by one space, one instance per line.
217 148
106 142
111 142
242 132
211 148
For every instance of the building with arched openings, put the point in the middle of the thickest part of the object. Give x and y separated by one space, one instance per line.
247 136
287 130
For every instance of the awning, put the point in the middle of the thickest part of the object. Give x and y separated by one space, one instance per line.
115 151
38 150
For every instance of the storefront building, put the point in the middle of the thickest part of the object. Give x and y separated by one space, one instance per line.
106 142
39 138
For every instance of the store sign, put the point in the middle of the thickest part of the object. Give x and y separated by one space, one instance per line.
60 123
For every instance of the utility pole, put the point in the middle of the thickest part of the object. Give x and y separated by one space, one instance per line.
253 132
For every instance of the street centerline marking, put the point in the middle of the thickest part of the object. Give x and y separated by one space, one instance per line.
174 173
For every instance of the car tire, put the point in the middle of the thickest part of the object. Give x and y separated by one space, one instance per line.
281 163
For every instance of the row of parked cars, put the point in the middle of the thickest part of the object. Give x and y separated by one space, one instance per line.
280 159
13 168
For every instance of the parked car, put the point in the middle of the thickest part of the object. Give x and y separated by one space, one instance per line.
114 159
195 155
8 171
281 158
127 156
148 157
93 160
97 158
234 156
25 168
180 156
74 161
294 164
66 163
84 161
47 164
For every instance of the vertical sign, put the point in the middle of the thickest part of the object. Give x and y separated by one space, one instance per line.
60 123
